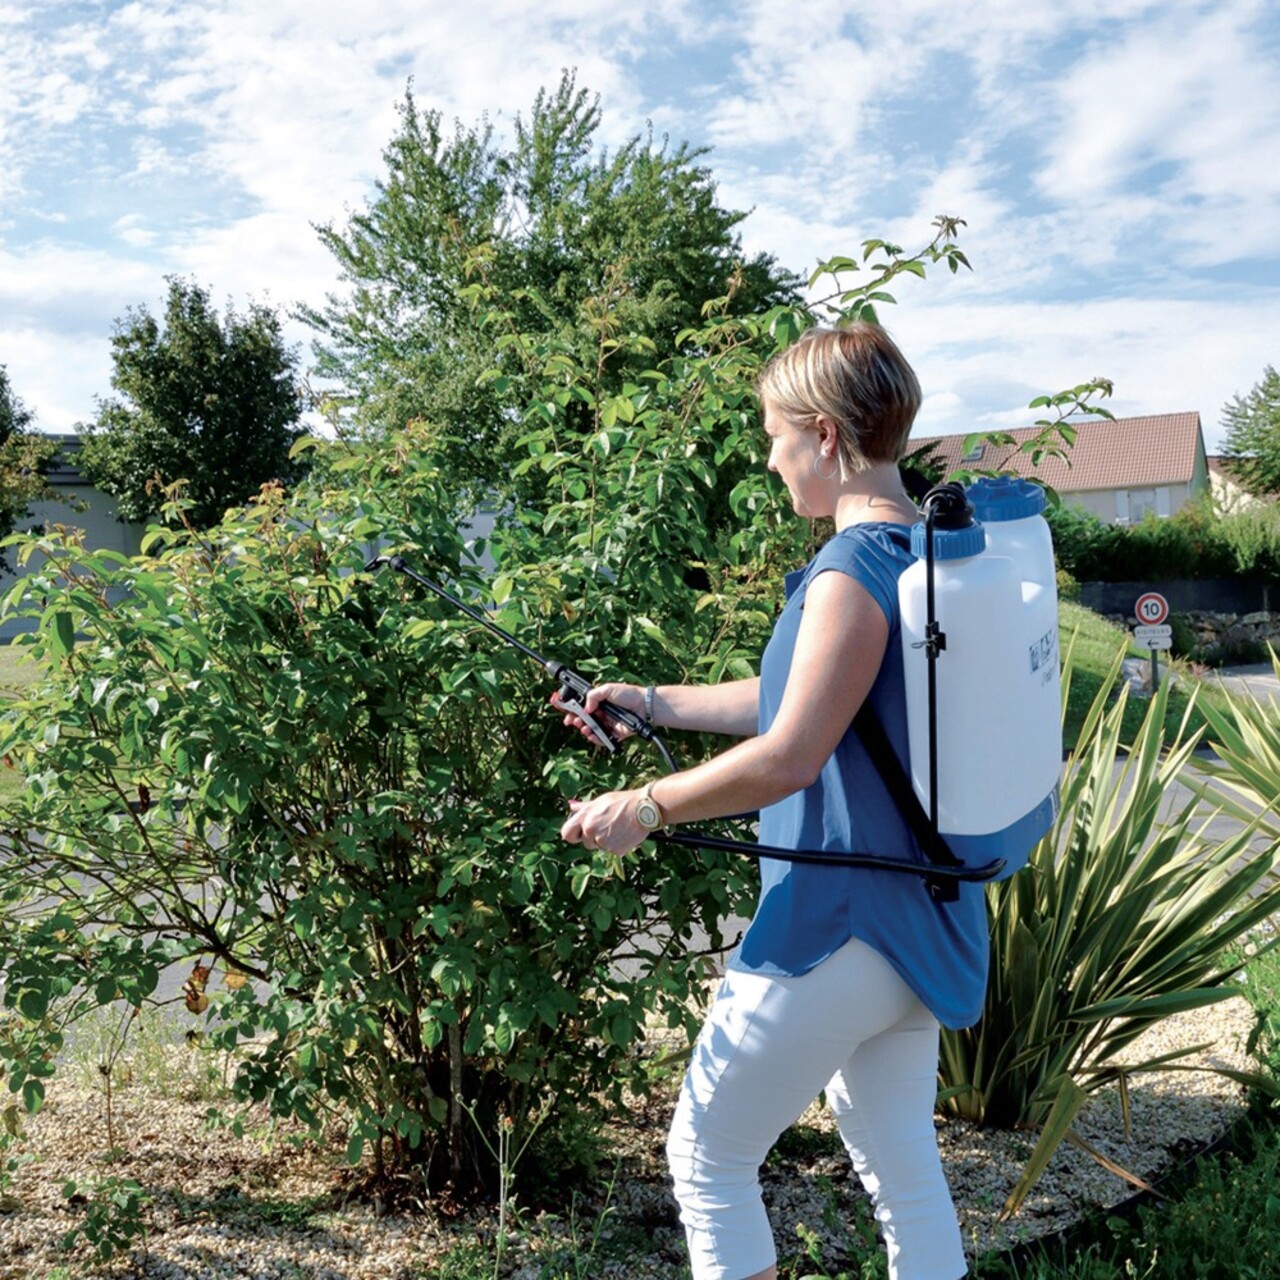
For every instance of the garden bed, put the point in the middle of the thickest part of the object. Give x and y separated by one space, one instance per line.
272 1204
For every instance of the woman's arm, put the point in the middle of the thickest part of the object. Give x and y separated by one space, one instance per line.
731 708
839 647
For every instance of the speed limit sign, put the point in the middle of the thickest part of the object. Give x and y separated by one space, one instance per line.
1152 608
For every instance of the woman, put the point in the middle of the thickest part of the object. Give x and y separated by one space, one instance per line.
842 978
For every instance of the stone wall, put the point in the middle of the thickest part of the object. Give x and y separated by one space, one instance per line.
1216 637
1233 631
1214 620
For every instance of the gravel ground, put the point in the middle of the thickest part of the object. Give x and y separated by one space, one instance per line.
270 1205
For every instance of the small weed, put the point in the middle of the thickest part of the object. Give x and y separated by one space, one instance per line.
803 1144
575 1260
275 1211
113 1216
114 1049
468 1261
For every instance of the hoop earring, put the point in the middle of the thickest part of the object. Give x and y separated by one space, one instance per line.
835 466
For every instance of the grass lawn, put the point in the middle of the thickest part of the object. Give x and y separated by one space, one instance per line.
1094 643
17 671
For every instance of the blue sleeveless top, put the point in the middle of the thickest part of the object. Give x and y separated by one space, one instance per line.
806 913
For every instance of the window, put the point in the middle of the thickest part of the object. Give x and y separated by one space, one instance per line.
1140 502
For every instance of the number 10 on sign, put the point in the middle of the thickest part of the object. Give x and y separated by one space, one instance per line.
1152 608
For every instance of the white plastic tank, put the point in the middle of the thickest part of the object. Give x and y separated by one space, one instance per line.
1012 512
999 735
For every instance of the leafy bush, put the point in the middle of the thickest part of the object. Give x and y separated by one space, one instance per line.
1185 642
1194 543
1083 545
338 804
1253 536
1123 916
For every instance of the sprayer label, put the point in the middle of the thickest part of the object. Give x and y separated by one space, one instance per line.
1042 651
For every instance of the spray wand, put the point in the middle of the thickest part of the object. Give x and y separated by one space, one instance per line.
574 689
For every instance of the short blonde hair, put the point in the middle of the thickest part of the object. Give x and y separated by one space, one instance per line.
856 376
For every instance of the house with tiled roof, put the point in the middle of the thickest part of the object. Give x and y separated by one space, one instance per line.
1119 470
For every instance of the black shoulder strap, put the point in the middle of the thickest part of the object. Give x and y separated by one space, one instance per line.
867 726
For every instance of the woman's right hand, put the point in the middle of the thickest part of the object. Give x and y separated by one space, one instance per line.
628 696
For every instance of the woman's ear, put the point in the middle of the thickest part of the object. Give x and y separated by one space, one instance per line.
828 435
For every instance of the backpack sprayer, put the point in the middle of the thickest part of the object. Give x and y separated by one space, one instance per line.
979 614
951 543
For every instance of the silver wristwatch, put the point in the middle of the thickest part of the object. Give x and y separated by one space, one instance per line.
648 812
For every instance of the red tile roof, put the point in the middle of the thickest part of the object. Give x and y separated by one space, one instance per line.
1128 453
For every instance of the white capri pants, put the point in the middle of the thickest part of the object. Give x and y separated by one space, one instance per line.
853 1028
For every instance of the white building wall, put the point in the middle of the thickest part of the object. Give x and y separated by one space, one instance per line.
102 529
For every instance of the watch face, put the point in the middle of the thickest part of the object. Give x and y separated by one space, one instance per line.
648 815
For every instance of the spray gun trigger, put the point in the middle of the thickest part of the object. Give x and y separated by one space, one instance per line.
574 707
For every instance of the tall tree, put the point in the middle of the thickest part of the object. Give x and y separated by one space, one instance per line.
635 240
24 454
1252 445
213 403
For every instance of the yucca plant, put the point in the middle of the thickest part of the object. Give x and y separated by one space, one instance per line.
1245 777
1124 916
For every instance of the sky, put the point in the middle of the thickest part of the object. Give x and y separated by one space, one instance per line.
1116 162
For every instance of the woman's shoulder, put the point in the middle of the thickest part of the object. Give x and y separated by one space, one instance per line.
876 539
874 554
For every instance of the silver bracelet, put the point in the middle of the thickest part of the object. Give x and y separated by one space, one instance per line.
648 704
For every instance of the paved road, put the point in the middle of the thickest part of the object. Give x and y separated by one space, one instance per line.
1258 679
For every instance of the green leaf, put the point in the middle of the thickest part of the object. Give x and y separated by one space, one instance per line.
1067 1101
63 639
33 1096
33 1002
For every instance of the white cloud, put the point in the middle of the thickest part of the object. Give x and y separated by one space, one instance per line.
55 375
981 364
1193 99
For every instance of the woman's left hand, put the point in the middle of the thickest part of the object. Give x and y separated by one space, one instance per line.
605 822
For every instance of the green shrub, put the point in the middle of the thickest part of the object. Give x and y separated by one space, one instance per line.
1253 537
1185 642
1084 545
1190 544
336 803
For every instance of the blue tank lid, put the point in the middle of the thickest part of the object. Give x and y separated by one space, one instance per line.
950 544
999 498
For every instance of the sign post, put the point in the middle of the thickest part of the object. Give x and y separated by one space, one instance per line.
1152 630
